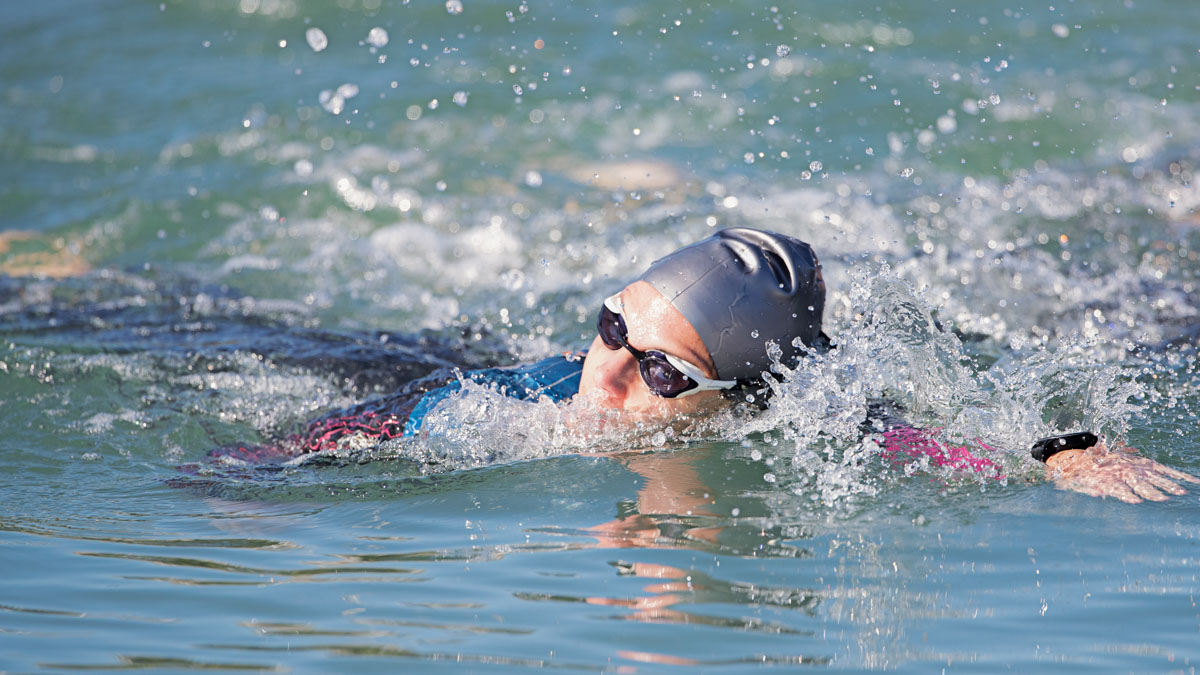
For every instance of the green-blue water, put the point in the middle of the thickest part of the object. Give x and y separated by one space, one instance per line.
212 212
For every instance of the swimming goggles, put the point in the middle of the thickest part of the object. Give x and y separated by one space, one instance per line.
665 375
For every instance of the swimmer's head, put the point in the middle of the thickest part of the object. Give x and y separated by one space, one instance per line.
741 289
698 324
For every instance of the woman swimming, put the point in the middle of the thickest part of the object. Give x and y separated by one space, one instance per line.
694 334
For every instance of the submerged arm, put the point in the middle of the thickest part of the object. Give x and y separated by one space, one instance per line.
1095 471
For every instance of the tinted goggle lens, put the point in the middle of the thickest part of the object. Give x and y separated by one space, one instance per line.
663 378
611 327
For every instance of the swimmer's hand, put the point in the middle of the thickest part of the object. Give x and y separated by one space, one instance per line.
1100 472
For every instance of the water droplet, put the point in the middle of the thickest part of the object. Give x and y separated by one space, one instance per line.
377 37
460 98
782 51
814 166
754 334
454 6
316 39
769 477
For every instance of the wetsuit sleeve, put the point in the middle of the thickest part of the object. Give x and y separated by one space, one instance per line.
902 443
556 378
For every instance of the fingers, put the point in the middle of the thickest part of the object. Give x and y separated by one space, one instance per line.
1177 474
1124 493
1165 484
1146 489
1094 488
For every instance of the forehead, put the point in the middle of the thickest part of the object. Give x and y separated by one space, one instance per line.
654 323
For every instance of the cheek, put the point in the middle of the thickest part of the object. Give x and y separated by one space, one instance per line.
599 358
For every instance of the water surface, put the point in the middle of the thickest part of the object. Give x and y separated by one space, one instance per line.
219 219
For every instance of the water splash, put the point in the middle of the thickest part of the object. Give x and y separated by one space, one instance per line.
893 353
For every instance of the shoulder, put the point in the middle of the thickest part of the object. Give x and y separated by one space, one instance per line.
556 378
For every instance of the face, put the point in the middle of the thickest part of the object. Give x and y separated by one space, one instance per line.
611 378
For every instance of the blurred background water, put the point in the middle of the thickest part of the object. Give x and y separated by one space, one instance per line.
219 218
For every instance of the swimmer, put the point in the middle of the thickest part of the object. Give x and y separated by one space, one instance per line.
694 334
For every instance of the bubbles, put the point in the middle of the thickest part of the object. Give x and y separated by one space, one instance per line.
377 37
782 51
460 98
334 101
454 7
316 39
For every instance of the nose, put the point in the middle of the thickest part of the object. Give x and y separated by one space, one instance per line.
613 378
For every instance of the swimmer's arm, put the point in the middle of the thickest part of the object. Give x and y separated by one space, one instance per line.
900 443
1120 473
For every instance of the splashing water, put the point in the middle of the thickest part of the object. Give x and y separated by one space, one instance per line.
480 426
893 350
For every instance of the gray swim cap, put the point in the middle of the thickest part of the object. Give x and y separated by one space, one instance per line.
741 288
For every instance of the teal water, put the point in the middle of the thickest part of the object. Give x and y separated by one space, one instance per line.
212 231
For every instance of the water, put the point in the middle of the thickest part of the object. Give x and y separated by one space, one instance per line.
219 219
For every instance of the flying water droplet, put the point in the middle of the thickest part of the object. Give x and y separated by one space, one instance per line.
316 39
454 7
377 37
